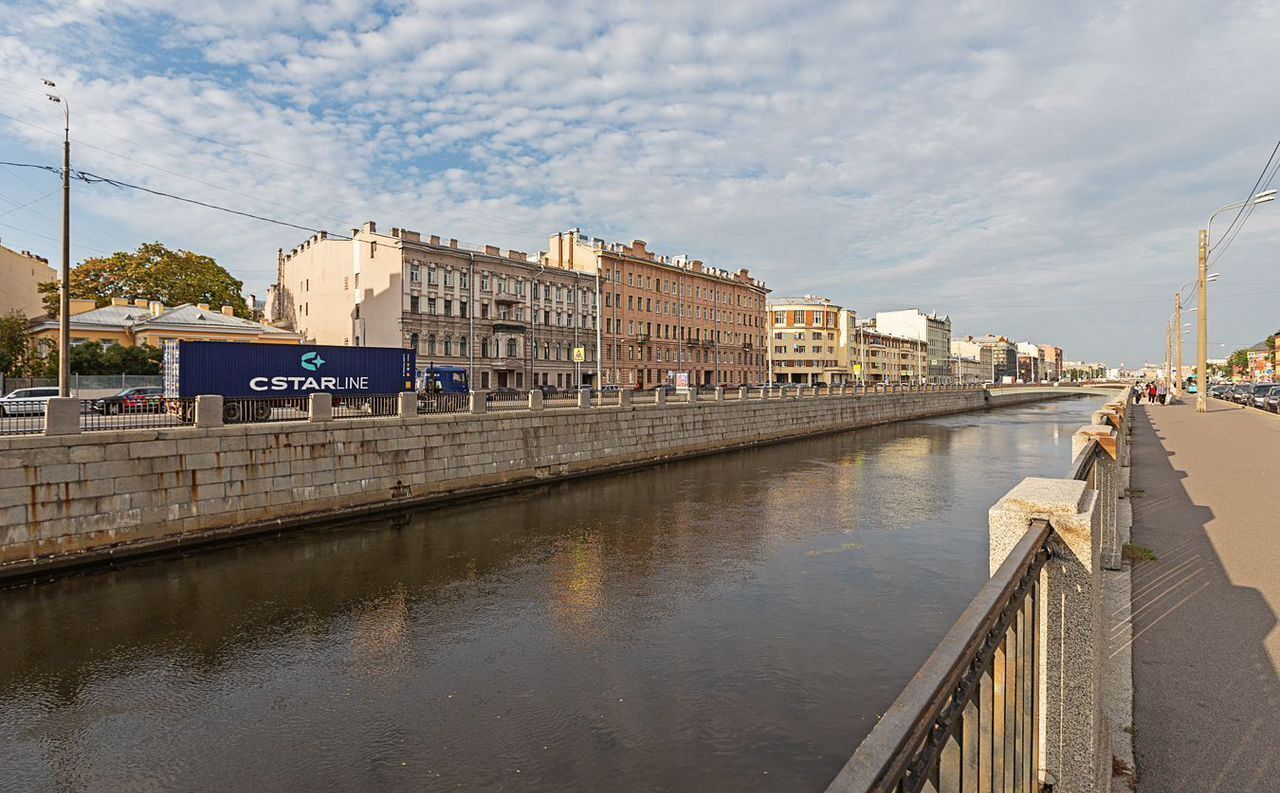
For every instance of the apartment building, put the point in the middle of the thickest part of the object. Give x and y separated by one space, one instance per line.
1004 356
668 319
508 318
970 348
21 272
933 329
1052 357
1030 362
808 341
876 356
968 371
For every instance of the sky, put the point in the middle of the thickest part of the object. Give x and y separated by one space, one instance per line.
1033 169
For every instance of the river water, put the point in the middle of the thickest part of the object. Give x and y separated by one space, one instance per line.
729 623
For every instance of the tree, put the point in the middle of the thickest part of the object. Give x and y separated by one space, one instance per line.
1239 361
92 357
18 356
153 272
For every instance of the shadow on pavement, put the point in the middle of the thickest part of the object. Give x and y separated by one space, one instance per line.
1206 692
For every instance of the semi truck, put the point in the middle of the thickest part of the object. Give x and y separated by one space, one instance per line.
254 379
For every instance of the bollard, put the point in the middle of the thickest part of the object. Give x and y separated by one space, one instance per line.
477 402
407 405
660 396
319 408
209 410
624 398
584 398
62 416
693 394
535 399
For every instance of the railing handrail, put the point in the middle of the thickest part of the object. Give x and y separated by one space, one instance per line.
1083 464
928 709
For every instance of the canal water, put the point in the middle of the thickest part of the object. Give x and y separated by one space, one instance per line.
729 623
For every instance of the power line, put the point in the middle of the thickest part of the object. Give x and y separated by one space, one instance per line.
92 178
1232 234
1248 202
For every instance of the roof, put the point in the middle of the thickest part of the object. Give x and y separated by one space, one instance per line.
809 300
183 317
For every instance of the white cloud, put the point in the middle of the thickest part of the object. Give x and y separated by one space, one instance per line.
995 162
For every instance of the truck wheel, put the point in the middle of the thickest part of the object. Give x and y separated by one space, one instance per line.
261 411
231 413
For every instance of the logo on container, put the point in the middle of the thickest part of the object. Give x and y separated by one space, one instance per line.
311 361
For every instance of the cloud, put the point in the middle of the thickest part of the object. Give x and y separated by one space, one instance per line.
978 159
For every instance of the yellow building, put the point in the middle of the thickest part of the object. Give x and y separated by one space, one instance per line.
130 323
878 357
806 341
21 273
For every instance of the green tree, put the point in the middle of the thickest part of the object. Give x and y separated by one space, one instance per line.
18 356
153 272
93 357
1238 360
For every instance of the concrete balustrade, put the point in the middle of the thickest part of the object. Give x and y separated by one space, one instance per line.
535 399
209 410
319 407
407 405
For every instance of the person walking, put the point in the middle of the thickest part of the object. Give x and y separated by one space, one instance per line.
1162 391
1151 393
1136 392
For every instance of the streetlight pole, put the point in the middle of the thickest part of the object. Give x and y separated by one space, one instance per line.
1175 386
1202 302
64 292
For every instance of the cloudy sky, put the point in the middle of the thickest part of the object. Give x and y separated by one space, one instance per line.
1033 169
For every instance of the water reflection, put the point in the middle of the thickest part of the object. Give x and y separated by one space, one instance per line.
730 622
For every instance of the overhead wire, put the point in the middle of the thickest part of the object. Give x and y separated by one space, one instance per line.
1231 235
1248 203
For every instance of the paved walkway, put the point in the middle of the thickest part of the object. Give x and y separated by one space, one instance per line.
1206 646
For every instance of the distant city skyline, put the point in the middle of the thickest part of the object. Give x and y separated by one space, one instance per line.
1033 171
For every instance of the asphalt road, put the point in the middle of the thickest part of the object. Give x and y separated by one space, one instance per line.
1206 649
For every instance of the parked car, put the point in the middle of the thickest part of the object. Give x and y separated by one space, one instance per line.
1272 401
1258 397
1240 392
503 393
139 399
1219 390
26 401
667 387
610 389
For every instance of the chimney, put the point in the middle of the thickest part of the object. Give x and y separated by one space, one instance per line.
202 306
435 239
696 264
453 243
410 236
79 306
638 249
229 311
140 303
370 227
324 235
119 301
157 308
395 232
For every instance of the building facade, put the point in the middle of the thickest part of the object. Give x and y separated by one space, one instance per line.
808 338
1030 362
137 322
1004 357
508 318
969 348
933 329
669 319
879 357
21 272
1052 357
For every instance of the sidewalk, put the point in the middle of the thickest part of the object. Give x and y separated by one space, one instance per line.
1206 647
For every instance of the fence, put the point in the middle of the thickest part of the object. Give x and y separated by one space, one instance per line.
84 382
966 721
1010 699
150 412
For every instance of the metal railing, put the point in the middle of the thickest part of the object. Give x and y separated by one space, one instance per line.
968 720
22 417
507 400
261 410
148 412
364 407
443 403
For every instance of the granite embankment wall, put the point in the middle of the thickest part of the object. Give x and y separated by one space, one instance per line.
77 499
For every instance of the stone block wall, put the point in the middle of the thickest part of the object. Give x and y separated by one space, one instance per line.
71 499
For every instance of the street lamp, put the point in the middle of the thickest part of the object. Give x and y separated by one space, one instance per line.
64 293
1202 320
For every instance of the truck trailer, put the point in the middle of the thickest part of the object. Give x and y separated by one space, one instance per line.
253 379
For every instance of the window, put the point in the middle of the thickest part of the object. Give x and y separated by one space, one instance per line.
431 305
511 348
448 277
415 275
484 311
432 278
431 344
413 341
448 345
413 304
484 282
462 309
462 346
448 308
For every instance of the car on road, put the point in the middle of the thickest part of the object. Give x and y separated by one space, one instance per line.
610 389
1239 392
1272 401
1219 390
26 401
138 399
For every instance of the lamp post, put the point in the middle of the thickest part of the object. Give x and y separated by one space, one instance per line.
1202 303
64 292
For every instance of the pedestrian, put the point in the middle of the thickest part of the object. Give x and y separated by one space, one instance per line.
1151 393
1137 393
1163 392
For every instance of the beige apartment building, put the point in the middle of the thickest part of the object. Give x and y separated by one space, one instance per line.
508 318
879 357
808 341
668 319
21 272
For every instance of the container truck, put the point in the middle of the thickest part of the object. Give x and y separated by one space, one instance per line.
253 379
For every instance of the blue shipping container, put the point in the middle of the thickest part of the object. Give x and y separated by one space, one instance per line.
242 369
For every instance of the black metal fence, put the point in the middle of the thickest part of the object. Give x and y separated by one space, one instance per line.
443 403
141 412
366 406
22 417
968 720
507 400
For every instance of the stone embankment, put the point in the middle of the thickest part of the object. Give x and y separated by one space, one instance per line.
70 500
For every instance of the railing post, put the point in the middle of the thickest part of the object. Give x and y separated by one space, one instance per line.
720 393
584 398
407 404
660 396
693 394
1074 741
208 410
742 393
535 399
477 402
62 416
624 397
319 408
1104 479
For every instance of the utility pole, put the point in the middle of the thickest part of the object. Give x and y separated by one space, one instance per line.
64 292
1168 351
1176 385
1202 327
